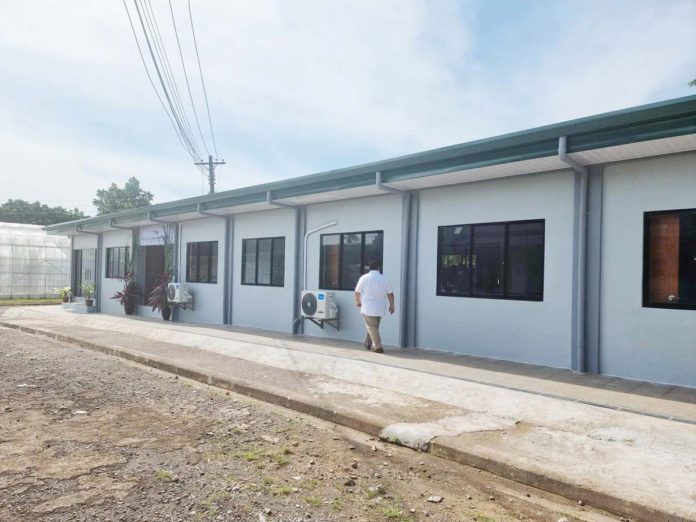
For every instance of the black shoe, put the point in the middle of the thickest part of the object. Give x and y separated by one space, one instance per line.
379 350
368 346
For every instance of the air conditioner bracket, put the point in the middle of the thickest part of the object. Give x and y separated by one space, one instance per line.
182 306
321 322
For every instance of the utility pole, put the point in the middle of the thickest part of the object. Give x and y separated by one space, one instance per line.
210 164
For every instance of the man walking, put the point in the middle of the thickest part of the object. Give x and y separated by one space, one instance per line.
372 294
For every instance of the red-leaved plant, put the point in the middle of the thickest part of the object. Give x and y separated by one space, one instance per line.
158 297
129 294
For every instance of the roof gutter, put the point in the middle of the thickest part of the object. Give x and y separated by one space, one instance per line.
79 229
159 221
205 213
112 224
279 204
579 344
385 188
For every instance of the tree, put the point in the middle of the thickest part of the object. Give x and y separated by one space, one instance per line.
692 83
20 211
115 198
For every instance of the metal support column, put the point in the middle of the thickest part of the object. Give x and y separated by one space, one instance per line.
411 275
593 267
228 270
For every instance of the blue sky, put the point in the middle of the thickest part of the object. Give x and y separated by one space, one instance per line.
304 86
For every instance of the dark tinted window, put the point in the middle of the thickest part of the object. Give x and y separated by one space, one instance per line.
330 261
263 261
455 260
525 260
116 262
496 260
488 254
249 267
669 273
351 259
278 268
345 257
201 262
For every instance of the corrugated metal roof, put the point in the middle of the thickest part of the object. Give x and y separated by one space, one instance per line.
658 128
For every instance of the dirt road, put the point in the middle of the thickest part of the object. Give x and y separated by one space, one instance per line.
84 436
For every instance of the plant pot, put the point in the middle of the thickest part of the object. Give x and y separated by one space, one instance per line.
66 299
129 307
166 313
89 302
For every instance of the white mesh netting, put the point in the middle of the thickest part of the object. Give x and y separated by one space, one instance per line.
32 263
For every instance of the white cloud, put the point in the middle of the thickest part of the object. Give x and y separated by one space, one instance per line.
301 86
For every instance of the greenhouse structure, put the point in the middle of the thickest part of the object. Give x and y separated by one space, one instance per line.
32 263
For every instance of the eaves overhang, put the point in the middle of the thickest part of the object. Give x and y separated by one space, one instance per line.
529 149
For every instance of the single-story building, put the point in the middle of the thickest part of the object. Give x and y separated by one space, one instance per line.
571 245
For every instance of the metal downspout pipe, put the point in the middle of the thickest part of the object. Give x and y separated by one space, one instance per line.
579 360
405 252
296 278
304 263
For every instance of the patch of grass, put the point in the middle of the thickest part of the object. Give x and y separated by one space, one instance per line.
210 503
337 504
310 484
313 501
251 455
268 481
287 451
394 513
283 490
164 475
280 460
238 430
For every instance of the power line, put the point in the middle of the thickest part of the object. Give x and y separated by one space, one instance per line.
168 75
200 70
176 112
188 86
152 83
175 87
162 84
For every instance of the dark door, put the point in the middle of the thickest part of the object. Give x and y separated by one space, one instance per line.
154 267
77 273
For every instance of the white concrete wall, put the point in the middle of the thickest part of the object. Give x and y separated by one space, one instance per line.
525 331
108 287
84 241
643 343
208 297
265 307
358 215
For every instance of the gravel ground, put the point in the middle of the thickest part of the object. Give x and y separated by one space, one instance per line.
84 436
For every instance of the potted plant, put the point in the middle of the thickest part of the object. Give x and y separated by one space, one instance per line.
158 297
88 293
64 293
129 294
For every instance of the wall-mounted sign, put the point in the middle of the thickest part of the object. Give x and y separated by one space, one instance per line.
152 235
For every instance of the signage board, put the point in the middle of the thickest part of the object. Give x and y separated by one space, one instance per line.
152 235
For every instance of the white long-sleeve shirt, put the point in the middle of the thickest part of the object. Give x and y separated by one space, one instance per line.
373 288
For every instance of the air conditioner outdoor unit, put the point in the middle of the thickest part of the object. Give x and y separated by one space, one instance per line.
178 293
317 304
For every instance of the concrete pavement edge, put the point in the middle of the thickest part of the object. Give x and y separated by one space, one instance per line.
442 447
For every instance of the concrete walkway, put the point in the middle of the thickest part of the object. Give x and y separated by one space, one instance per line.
630 453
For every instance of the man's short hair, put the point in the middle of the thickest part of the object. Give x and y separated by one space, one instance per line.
374 264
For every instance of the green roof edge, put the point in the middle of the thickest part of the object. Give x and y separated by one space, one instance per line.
667 118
